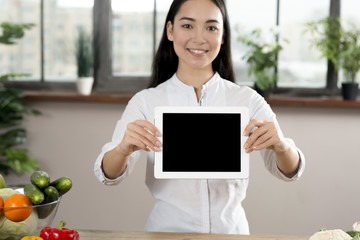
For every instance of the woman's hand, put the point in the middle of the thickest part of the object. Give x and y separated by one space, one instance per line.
140 134
263 134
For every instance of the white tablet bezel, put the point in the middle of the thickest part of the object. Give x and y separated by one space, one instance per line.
158 169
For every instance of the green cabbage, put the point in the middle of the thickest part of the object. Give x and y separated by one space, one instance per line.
7 192
10 230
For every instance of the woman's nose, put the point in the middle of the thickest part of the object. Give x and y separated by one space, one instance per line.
199 36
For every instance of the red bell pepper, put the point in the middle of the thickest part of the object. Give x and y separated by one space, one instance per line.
60 233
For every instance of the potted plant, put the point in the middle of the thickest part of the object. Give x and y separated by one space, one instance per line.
262 60
340 47
84 60
12 111
350 63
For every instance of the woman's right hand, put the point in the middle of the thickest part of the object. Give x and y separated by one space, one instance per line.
140 134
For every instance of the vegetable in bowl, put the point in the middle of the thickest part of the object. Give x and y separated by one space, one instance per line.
32 225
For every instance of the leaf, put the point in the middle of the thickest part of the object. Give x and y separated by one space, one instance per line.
12 138
354 234
19 160
12 107
326 35
4 168
12 32
13 75
84 54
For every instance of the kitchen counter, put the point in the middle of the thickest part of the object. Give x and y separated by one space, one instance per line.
119 235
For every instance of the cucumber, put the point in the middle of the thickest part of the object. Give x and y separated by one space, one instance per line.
51 195
34 193
40 179
63 185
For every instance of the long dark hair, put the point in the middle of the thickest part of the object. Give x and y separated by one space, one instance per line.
165 62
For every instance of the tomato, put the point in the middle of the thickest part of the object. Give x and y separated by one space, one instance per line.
1 204
18 207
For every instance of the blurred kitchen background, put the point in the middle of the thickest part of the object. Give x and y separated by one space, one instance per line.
68 136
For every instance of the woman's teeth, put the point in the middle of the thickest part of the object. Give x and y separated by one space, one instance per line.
197 51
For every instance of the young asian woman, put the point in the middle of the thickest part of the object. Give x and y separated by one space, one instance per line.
193 67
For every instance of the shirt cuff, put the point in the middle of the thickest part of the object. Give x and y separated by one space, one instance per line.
113 181
299 172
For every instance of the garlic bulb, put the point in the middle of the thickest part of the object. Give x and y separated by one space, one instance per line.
335 234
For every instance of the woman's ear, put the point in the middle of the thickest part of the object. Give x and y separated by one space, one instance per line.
169 31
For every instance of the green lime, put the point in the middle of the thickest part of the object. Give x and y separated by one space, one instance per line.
2 182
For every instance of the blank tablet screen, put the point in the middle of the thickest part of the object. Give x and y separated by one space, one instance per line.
201 142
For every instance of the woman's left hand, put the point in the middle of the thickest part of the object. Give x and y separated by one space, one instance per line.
263 134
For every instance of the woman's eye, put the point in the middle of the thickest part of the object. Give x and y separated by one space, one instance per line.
186 26
212 28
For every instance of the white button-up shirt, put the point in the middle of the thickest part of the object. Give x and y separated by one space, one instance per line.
195 205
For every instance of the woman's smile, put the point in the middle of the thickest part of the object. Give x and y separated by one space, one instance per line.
197 52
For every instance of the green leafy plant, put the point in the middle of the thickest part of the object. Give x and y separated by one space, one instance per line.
326 36
350 54
84 54
12 111
262 57
340 47
354 234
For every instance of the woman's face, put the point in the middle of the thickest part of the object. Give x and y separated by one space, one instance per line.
197 34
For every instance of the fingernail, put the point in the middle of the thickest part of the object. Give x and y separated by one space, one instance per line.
245 133
246 145
158 143
156 149
158 134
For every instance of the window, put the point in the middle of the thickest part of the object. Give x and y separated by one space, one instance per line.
62 19
134 29
300 69
127 33
15 56
246 16
131 37
351 19
47 51
301 65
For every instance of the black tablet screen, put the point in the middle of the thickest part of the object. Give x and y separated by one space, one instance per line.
201 142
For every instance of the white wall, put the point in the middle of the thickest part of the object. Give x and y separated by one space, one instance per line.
68 136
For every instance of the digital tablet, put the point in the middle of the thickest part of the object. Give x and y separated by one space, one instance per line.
201 142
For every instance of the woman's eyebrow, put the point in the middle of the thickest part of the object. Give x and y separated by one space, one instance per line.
193 20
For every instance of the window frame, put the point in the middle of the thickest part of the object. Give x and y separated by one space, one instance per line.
42 84
105 82
330 88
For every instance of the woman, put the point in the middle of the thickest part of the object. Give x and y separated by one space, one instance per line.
193 67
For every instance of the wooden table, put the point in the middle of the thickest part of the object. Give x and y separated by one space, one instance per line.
118 235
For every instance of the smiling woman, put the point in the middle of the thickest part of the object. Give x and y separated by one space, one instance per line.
192 67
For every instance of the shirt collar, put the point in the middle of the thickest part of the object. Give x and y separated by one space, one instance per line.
214 79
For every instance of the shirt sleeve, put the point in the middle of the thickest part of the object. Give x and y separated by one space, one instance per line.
262 110
132 112
270 163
